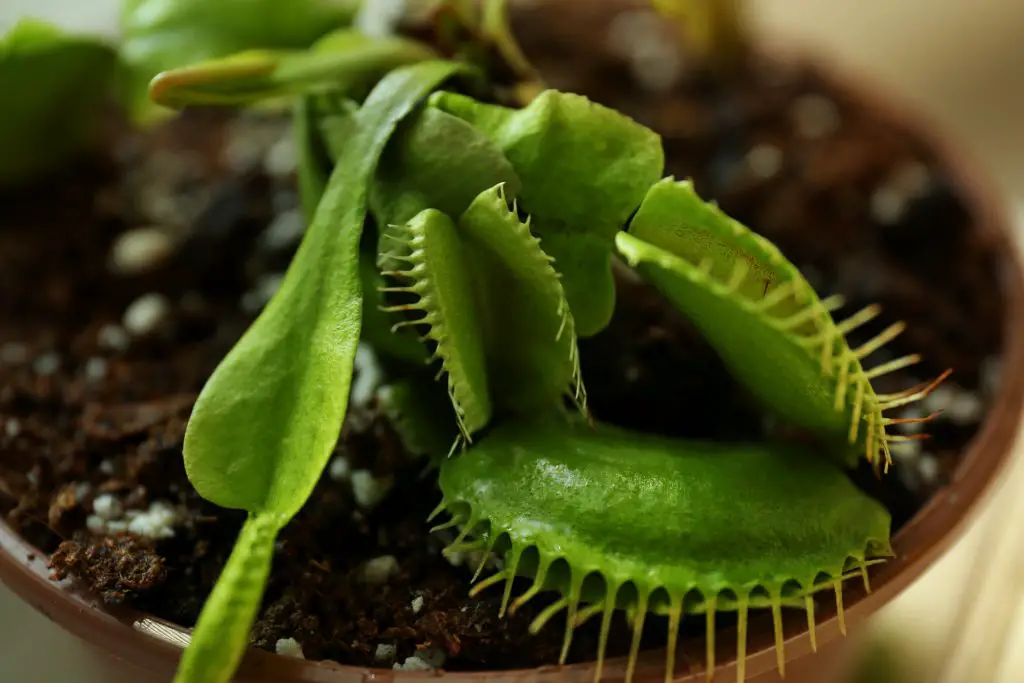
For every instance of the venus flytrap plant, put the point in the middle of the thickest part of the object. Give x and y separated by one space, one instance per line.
495 230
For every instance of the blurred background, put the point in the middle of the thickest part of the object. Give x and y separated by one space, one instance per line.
962 65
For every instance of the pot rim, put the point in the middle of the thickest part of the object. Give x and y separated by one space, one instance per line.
155 643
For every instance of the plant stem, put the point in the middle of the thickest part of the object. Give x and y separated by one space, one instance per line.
221 636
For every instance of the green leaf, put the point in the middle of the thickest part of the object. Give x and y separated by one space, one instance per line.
529 331
344 61
437 275
268 418
422 415
165 34
765 320
584 170
592 491
437 161
271 411
53 84
313 119
615 519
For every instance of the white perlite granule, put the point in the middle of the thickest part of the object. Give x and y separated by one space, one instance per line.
46 364
416 604
262 292
101 527
367 489
385 652
113 338
379 570
991 375
887 205
107 507
289 647
284 231
368 376
156 522
147 313
640 37
282 158
140 250
906 182
339 468
815 116
966 409
911 413
383 17
96 369
425 660
906 451
764 160
928 468
957 405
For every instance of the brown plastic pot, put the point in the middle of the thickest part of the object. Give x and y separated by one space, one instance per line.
150 647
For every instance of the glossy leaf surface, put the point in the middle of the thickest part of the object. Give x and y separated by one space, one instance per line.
613 519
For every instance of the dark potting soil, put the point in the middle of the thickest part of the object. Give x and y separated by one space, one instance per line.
107 334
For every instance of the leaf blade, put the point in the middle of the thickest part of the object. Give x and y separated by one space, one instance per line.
295 446
530 333
585 169
285 384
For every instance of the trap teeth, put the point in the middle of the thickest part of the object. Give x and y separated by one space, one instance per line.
525 466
